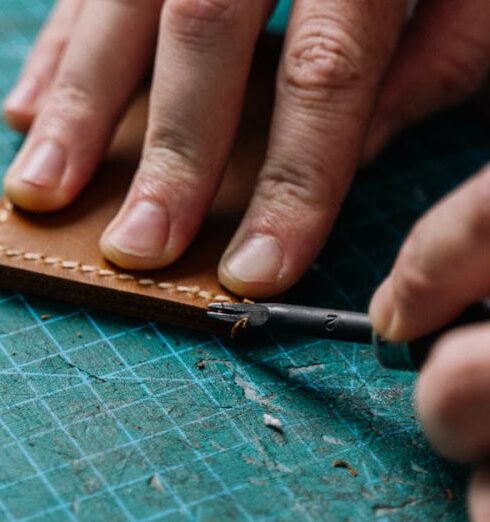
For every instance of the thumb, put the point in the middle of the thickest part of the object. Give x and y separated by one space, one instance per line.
441 269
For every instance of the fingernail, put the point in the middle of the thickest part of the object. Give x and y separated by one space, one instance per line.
22 96
382 308
142 232
44 166
258 259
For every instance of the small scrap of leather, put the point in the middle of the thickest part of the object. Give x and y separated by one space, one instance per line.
57 255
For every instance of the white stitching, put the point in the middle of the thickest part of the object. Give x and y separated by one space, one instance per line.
6 210
106 273
88 268
55 262
70 265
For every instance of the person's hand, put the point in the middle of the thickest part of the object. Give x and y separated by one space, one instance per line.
442 268
93 53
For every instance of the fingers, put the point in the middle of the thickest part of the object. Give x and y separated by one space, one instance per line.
453 392
444 57
204 57
479 495
100 70
23 102
442 267
334 57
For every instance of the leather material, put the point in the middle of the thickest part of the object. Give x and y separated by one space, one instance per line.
57 255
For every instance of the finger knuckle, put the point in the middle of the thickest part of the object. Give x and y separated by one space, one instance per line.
168 141
295 188
323 57
197 19
159 182
71 105
168 166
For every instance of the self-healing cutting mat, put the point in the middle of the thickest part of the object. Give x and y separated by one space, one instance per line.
103 418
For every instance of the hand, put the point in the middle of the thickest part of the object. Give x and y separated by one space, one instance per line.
441 269
92 55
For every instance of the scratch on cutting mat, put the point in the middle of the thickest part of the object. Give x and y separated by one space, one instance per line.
267 463
252 394
83 370
301 370
331 440
382 510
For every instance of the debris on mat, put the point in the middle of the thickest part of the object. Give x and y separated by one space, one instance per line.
345 465
45 317
155 483
272 422
75 506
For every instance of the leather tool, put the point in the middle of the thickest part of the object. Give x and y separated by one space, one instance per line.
339 325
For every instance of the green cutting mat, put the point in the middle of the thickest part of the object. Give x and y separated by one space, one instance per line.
93 406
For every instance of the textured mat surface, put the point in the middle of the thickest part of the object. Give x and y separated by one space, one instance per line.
103 419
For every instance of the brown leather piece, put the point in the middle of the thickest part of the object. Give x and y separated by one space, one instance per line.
57 255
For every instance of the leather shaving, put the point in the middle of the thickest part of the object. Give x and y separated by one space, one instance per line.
345 465
240 325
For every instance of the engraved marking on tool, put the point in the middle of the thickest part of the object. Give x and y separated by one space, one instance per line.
331 322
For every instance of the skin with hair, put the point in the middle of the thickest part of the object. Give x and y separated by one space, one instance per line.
352 74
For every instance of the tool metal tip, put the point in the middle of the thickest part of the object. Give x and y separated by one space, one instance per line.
255 314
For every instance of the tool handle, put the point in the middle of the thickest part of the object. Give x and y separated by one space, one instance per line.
322 323
413 355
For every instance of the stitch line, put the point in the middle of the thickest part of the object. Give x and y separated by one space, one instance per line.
5 210
66 264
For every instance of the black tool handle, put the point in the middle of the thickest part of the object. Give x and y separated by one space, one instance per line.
320 322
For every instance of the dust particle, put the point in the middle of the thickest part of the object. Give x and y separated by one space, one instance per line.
155 483
241 324
75 506
200 365
45 317
345 465
272 422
